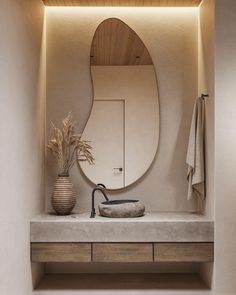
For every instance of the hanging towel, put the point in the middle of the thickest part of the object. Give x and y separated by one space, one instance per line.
195 154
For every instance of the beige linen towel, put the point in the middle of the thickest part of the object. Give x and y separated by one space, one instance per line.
195 154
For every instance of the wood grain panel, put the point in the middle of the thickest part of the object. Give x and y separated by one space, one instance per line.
183 252
122 252
138 3
116 44
60 252
100 283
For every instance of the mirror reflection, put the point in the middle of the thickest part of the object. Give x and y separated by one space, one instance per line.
124 122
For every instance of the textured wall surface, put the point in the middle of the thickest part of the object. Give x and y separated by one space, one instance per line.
206 85
22 94
171 37
225 144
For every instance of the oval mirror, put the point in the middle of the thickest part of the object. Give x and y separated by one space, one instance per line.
123 126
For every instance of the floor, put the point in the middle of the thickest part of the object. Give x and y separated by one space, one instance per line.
120 284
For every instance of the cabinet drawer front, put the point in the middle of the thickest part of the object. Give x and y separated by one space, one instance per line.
61 252
122 252
183 252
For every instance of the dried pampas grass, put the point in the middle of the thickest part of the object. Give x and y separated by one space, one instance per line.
66 146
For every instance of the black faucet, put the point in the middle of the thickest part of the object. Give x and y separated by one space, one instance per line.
99 187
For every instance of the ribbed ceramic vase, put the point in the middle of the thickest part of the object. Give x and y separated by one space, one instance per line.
63 196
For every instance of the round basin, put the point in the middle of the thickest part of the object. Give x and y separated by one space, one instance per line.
121 208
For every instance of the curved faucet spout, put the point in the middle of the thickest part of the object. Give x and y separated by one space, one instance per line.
100 188
101 185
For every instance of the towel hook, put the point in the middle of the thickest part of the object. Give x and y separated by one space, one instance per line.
204 96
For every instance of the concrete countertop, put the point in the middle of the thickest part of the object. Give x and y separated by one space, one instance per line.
152 227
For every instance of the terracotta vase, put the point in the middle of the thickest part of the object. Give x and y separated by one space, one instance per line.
63 196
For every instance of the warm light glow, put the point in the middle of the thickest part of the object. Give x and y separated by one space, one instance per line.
137 13
121 8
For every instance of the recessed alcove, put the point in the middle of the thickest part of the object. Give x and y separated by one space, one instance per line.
180 42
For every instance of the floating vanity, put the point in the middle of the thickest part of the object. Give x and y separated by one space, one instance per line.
155 237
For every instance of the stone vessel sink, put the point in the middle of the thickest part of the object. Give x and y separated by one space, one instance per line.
121 208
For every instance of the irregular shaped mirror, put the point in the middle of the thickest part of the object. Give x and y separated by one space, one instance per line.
124 122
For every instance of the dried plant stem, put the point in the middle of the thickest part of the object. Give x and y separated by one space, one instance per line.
66 145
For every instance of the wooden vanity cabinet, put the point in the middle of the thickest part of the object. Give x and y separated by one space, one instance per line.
61 252
183 252
122 252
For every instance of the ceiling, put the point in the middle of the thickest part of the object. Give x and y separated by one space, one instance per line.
116 44
140 3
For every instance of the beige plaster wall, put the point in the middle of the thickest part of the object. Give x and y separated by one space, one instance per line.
225 142
22 96
170 35
206 85
206 80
